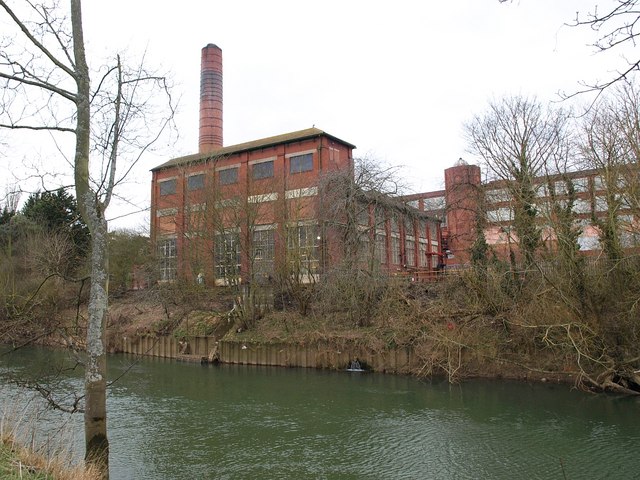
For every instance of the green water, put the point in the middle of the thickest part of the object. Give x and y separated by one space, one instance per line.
171 420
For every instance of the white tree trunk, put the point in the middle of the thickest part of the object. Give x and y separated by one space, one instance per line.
95 417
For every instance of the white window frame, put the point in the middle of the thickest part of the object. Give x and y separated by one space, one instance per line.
263 250
227 261
167 249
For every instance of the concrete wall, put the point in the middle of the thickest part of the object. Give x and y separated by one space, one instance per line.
320 355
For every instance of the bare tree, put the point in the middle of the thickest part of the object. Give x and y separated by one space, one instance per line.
46 85
615 29
627 116
604 149
354 209
10 203
516 139
257 213
233 223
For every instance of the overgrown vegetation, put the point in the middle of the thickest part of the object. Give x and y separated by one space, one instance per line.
498 323
43 268
43 248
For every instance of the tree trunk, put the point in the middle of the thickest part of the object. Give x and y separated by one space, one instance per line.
95 417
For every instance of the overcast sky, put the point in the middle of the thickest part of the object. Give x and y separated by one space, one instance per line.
397 79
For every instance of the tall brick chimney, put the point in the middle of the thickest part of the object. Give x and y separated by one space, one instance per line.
210 99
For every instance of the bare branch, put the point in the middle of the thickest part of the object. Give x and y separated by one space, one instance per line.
40 84
115 140
36 127
616 27
68 70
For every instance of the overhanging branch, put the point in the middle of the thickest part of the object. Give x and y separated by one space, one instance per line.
34 127
35 41
40 84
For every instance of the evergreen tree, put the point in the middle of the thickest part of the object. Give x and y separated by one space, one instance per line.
57 212
6 215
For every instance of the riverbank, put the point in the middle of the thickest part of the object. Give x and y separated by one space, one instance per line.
412 335
486 325
19 462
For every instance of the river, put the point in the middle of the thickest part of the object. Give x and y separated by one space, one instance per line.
172 420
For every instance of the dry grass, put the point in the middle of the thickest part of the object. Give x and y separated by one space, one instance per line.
19 462
22 457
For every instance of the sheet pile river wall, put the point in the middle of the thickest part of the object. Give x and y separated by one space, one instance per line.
318 355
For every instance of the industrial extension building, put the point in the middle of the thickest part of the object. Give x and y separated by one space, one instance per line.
466 199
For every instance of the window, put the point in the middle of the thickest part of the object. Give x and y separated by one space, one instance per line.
379 218
422 228
498 195
409 243
410 251
423 243
433 204
381 247
264 197
433 230
166 212
581 206
301 192
334 155
227 255
263 252
228 176
394 225
362 216
503 214
302 248
560 187
629 237
599 183
435 260
195 182
301 163
395 249
581 184
167 256
168 187
262 170
409 227
364 252
588 242
601 204
422 252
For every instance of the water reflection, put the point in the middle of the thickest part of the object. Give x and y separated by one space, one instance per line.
182 421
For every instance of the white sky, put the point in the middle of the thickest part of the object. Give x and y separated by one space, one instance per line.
397 79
